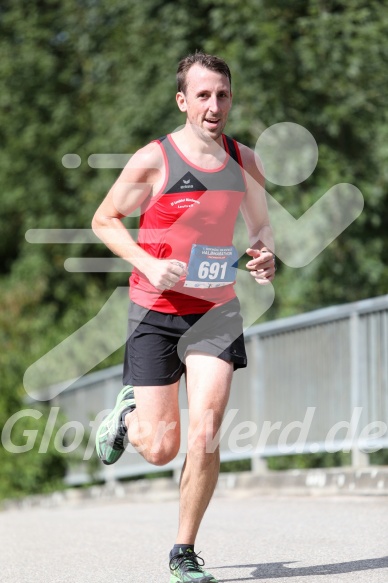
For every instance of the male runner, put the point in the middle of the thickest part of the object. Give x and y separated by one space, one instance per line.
184 315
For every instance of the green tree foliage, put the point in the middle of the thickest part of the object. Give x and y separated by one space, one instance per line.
97 76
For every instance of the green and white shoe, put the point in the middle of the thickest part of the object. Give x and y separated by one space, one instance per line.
112 431
186 567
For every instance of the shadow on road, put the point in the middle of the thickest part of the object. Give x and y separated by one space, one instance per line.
278 570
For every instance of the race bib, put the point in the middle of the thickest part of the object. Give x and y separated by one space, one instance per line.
211 266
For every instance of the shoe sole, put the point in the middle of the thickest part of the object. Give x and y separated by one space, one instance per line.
102 430
175 579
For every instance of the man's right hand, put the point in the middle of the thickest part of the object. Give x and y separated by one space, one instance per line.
165 273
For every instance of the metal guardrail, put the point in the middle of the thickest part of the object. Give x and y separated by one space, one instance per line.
315 382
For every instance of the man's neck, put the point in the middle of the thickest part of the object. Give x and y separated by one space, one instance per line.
199 149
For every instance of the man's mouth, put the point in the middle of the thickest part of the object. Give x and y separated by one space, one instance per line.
212 122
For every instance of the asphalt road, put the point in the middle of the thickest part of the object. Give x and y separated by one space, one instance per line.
279 539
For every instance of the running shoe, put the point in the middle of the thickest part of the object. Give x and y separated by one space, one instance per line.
186 567
112 431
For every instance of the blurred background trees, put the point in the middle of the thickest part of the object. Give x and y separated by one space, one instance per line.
97 76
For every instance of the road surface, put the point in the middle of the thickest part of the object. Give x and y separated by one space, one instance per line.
296 539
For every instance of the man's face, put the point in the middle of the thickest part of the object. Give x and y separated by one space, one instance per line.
207 101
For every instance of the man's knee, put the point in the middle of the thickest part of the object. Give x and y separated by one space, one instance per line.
204 436
162 443
163 453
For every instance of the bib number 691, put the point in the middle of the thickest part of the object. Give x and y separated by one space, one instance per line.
212 270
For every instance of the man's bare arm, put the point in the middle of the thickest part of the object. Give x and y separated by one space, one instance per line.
137 182
255 212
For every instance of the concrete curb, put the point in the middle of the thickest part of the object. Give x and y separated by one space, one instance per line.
367 481
371 481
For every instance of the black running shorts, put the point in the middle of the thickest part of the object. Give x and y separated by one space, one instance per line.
158 343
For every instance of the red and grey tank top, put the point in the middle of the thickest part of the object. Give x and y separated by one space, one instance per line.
195 210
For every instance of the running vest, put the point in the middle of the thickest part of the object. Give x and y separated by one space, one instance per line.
192 219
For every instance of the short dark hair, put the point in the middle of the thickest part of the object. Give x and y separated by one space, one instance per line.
210 62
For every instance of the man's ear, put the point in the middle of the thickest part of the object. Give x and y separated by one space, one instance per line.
181 101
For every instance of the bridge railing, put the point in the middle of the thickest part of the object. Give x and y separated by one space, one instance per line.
315 382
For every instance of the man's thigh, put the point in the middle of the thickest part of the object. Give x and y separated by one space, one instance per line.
156 403
155 429
208 380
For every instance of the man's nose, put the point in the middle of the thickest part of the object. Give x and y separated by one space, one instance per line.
214 105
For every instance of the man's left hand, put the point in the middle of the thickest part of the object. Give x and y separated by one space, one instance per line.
262 265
